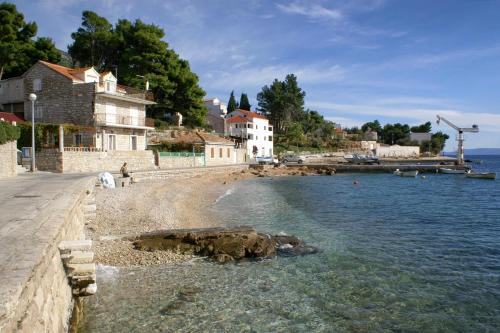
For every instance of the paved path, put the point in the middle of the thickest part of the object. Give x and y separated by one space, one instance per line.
29 204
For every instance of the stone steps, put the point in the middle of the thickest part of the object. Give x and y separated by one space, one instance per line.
78 262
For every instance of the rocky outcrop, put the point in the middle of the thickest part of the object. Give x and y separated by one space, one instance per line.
223 244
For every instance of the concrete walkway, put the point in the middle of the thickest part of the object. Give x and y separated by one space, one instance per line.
30 207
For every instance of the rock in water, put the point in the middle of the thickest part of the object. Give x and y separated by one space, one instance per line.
222 244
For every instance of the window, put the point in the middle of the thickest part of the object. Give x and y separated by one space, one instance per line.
250 136
256 137
38 112
111 142
264 128
37 84
78 140
133 142
220 152
236 126
270 128
212 152
228 153
265 138
270 138
256 127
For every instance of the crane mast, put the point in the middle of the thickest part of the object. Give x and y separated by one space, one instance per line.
460 138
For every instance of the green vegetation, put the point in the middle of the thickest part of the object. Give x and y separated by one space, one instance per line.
295 128
8 132
18 50
244 102
232 104
139 54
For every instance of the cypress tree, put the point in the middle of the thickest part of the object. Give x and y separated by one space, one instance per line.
232 105
244 103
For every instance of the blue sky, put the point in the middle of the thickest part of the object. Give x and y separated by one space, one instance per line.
395 61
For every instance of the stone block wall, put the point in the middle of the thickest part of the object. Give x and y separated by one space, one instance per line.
8 159
60 100
45 302
175 162
80 161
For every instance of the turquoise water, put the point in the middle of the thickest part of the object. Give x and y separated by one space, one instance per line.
397 254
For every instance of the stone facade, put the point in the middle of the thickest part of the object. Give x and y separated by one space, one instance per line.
85 161
176 162
59 101
8 159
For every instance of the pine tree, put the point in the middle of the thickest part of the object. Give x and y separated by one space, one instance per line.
232 105
244 103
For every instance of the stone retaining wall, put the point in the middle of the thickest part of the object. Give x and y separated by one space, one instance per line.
44 302
175 162
80 161
189 172
8 159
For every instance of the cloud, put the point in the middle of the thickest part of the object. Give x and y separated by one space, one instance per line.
486 121
312 11
257 77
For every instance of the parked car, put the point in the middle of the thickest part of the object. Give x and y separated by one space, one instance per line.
292 158
266 160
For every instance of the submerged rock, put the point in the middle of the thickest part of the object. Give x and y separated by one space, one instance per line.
223 244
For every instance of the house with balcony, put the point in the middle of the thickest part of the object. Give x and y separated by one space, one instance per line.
108 117
252 130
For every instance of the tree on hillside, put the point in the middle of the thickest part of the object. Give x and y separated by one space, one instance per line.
424 128
392 133
231 104
244 102
373 125
137 50
93 42
18 50
282 102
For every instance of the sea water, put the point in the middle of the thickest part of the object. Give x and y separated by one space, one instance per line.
397 254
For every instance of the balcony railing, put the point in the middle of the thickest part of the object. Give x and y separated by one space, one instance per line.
127 91
116 119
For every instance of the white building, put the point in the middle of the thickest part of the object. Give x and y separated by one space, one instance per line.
216 113
253 130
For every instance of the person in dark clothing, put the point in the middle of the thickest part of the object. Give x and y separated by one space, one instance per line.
124 170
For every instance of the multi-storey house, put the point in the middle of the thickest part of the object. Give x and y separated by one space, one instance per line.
111 117
216 113
252 130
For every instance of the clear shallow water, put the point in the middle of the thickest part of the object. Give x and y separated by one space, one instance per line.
398 254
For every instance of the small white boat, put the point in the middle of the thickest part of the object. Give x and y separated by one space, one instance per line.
412 173
452 171
482 175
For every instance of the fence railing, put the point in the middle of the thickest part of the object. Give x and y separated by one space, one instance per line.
179 154
116 119
83 149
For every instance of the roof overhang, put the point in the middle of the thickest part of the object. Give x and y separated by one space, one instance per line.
126 98
128 126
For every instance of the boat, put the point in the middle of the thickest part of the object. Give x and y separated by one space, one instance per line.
482 175
361 159
412 173
453 171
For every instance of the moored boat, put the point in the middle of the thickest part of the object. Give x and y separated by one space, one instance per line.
452 171
412 173
482 175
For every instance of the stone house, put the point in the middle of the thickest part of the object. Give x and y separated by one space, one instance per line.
112 117
200 149
252 130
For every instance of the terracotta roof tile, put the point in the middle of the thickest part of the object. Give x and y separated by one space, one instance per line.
237 119
10 117
65 71
252 114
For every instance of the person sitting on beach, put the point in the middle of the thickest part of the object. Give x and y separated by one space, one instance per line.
124 170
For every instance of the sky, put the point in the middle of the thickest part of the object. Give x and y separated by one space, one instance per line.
358 60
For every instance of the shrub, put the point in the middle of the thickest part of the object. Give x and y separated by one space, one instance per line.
8 132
